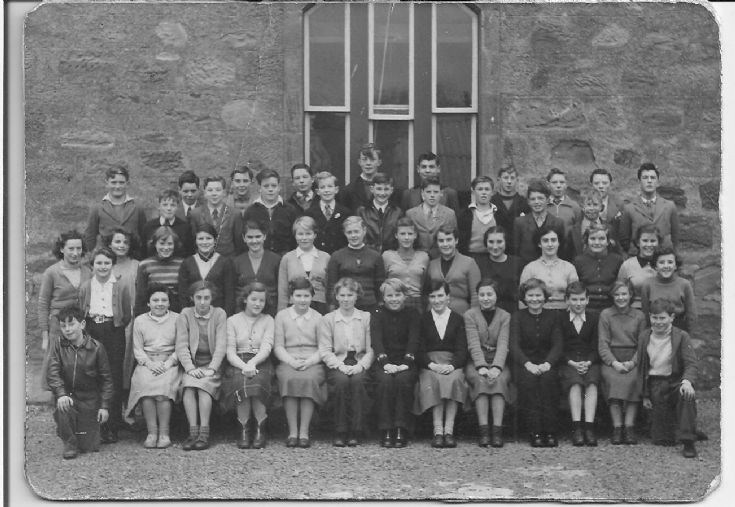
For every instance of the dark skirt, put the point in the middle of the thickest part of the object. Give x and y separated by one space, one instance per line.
568 376
236 386
432 388
308 383
621 386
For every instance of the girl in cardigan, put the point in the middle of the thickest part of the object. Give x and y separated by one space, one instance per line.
395 339
107 306
459 271
257 264
619 329
157 378
300 372
488 328
60 286
201 342
536 345
345 348
162 268
669 285
305 261
639 269
408 264
598 267
442 355
247 382
207 264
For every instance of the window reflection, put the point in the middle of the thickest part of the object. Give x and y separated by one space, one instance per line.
453 56
327 55
454 146
391 47
392 138
327 143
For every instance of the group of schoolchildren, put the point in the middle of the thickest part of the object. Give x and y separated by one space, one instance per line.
370 299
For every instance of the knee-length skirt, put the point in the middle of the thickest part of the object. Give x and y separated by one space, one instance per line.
434 387
210 384
480 385
569 376
621 386
144 383
236 386
308 383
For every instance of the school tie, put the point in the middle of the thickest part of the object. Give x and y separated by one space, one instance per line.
188 212
380 213
215 217
328 211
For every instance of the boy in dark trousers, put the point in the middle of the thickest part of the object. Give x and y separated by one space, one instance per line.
79 377
380 217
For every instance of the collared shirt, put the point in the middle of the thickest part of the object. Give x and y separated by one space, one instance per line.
578 319
429 211
323 206
305 197
540 219
378 208
307 258
441 321
188 208
160 319
269 206
299 318
166 223
205 266
207 316
349 326
220 212
659 354
651 201
484 216
100 300
107 198
604 202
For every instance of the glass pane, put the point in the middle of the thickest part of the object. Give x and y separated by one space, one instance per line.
390 46
327 143
454 147
327 55
453 56
392 139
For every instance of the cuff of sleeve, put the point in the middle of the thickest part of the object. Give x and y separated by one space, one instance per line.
496 366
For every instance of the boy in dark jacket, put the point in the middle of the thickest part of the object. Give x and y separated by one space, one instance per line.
80 379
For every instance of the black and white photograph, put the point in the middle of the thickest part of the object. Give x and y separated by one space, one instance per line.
371 250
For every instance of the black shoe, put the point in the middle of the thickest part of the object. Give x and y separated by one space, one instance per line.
496 436
259 440
353 441
484 435
387 440
629 437
537 440
449 441
589 435
188 444
201 443
701 435
246 439
401 440
617 435
106 434
437 442
292 442
339 440
550 440
304 443
689 451
70 450
577 436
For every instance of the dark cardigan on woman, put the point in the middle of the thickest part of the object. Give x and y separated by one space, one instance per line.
364 265
455 340
221 275
395 335
598 273
535 338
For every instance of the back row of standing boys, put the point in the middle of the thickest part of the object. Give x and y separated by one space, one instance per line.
347 249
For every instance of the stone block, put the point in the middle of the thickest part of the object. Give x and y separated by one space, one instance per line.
707 280
611 36
676 194
627 158
696 231
708 373
162 161
709 193
172 34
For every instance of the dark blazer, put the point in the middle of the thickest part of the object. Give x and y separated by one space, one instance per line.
683 358
181 227
225 236
279 237
355 194
523 229
412 197
580 346
329 234
294 202
221 275
663 215
103 219
614 210
455 340
381 232
267 274
505 217
180 209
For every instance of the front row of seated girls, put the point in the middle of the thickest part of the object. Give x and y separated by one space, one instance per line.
445 361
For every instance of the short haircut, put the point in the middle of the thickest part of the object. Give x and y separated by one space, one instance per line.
538 186
353 220
206 227
447 229
553 172
405 222
202 285
72 312
596 228
647 166
169 194
241 169
622 283
300 283
590 195
188 177
215 179
369 150
304 222
665 250
482 179
163 232
117 168
431 180
347 283
650 229
429 157
60 242
249 289
543 231
601 171
325 175
487 282
662 305
382 179
133 240
103 250
495 229
159 287
302 166
436 284
506 169
267 173
576 287
393 283
532 283
256 225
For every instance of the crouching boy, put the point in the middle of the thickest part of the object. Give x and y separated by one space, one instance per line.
80 379
669 369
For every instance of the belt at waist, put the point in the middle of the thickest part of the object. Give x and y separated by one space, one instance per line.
100 319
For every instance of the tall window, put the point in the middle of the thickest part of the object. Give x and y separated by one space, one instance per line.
401 75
